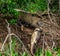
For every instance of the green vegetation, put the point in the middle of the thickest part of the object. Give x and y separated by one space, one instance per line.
7 6
13 21
48 53
36 6
27 5
39 51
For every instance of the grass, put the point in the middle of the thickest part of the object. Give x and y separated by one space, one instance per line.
39 51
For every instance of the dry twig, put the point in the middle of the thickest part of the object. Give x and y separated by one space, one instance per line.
9 36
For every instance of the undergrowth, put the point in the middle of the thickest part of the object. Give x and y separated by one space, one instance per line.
39 51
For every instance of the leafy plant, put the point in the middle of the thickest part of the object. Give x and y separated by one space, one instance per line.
0 54
38 52
13 21
24 54
48 53
58 55
36 5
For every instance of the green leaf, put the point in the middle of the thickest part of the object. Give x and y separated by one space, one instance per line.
48 53
38 52
0 54
24 54
58 55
